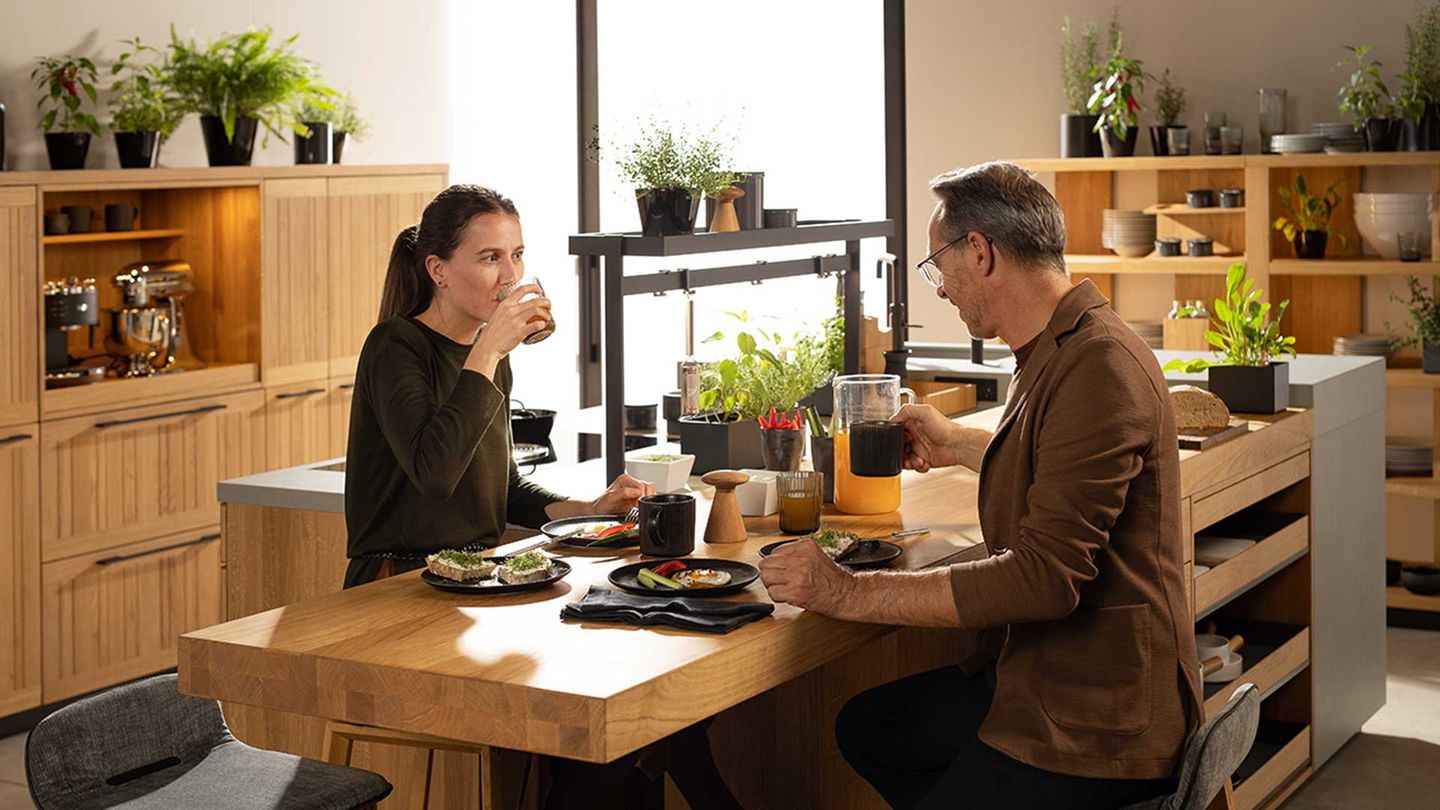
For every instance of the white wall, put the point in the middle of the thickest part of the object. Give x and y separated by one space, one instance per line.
983 82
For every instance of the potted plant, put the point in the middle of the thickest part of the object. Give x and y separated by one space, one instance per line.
1422 76
66 83
1169 103
1119 83
671 173
1250 376
238 84
782 439
317 145
1366 97
143 112
1424 318
1411 104
340 116
1078 57
1306 223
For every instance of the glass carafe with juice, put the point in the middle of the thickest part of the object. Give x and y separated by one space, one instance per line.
868 446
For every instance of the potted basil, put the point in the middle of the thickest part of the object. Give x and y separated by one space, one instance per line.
238 84
1078 48
1366 97
1250 376
1169 103
143 111
1306 223
671 172
1424 317
66 84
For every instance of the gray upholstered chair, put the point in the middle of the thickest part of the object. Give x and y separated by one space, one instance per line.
144 745
1213 755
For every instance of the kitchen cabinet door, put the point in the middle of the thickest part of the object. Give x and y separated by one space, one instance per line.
19 568
294 281
366 214
297 424
342 394
117 614
133 475
20 322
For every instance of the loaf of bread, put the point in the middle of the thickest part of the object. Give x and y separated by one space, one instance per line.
1197 409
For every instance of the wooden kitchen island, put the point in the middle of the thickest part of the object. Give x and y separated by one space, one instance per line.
506 672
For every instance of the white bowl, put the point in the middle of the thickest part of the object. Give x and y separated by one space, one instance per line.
1133 251
667 471
1381 229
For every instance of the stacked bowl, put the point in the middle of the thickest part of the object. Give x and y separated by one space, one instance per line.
1340 137
1299 143
1363 345
1406 457
1381 218
1129 233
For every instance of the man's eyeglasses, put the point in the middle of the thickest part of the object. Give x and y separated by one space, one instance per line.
927 266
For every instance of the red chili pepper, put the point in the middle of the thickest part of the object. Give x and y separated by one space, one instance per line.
666 569
618 528
70 87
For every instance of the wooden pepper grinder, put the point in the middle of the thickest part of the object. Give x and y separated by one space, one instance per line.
725 525
725 217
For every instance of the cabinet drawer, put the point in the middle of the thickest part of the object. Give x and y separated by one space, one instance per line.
116 615
1249 491
1241 572
19 568
1275 773
133 475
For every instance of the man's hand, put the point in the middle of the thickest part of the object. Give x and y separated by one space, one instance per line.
801 574
931 440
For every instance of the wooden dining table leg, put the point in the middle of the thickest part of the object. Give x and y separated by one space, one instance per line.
507 777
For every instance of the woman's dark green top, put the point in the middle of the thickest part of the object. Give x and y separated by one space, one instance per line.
428 465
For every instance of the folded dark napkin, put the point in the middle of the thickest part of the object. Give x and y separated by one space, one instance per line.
705 615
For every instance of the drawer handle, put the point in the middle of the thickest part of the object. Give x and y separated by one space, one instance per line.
18 437
123 557
295 394
346 386
171 415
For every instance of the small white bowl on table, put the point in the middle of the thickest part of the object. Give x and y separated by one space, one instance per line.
668 475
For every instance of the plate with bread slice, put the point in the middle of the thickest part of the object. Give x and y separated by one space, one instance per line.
1201 418
846 548
466 572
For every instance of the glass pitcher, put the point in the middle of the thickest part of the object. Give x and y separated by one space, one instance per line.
865 398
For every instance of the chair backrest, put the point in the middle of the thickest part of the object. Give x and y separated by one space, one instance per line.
95 743
1217 750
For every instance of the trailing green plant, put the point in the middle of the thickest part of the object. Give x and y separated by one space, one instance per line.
140 98
1308 213
340 112
1422 51
1078 57
663 157
1423 314
765 374
66 82
1119 83
1243 335
1365 95
1169 100
244 75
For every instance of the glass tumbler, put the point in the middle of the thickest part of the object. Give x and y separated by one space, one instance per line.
508 289
1213 122
1410 244
800 495
1178 139
1232 140
1272 115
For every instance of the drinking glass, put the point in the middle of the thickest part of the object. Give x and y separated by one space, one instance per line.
1213 122
1178 139
1272 115
508 289
800 495
1409 243
1232 140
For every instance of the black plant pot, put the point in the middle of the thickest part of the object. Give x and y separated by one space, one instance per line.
315 147
67 150
1430 127
822 458
721 445
1159 143
1252 389
1078 137
1409 136
823 400
1114 147
337 145
236 151
1382 134
138 150
667 211
1310 244
1430 358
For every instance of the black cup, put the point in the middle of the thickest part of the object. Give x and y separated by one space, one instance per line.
80 216
667 525
875 448
56 223
119 217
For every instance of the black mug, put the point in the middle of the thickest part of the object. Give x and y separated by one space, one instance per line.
120 217
79 217
876 447
667 525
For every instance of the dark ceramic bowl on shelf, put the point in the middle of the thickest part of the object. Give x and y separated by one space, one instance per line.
1201 247
1200 198
1232 197
1167 246
1422 580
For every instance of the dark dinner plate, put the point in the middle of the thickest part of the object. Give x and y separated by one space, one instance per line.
741 575
493 585
562 528
866 554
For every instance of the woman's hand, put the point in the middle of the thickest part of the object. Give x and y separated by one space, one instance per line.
931 440
624 491
514 320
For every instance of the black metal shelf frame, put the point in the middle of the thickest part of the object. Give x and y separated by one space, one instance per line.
611 250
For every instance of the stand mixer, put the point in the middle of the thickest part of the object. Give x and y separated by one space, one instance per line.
148 334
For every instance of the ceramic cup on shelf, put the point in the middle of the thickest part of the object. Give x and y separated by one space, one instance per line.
1200 198
120 217
1202 246
56 223
1213 122
80 216
1232 197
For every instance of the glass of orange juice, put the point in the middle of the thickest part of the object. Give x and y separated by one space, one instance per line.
509 289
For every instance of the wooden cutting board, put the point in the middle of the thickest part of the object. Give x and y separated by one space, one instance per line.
1205 439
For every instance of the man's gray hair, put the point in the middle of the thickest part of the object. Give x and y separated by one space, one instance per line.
1007 204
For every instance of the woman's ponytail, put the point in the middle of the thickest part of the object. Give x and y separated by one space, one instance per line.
405 292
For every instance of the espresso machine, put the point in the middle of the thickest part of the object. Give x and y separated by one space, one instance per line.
70 306
148 334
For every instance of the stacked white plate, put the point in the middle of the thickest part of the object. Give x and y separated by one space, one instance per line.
1340 136
1363 345
1380 218
1129 233
1152 332
1405 457
1298 143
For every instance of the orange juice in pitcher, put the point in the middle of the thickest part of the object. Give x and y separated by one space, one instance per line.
867 478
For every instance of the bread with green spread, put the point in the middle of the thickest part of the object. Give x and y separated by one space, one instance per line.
528 567
461 566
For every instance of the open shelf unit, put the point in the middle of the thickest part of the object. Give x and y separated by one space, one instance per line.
1412 514
113 236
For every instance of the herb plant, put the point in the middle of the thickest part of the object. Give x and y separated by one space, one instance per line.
1077 62
140 98
244 75
1307 213
1169 100
66 83
666 158
766 374
340 112
1423 314
1244 335
1365 95
1422 52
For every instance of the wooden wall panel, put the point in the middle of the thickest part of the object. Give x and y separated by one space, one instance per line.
20 319
297 424
294 287
19 568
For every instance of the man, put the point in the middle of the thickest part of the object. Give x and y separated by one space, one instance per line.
1083 685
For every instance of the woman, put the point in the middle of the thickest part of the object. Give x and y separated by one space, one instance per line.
428 464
